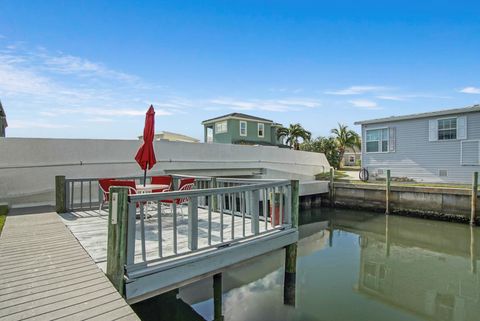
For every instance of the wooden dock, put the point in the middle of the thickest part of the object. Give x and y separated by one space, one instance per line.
46 275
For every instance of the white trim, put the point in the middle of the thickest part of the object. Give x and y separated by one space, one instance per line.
456 128
246 128
263 130
379 142
266 121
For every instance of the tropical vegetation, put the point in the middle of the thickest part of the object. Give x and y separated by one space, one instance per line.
293 134
325 145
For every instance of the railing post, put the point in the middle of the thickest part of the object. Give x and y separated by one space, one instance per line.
214 200
193 223
473 210
291 250
332 187
60 194
254 211
117 237
387 193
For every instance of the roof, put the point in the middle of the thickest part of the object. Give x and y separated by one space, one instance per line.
469 109
238 116
177 136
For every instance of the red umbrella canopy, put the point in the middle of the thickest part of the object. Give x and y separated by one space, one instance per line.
146 154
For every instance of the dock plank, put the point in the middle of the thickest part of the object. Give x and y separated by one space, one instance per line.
47 274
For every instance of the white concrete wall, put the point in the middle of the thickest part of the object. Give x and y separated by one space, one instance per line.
28 165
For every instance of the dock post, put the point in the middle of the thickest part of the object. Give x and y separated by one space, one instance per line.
387 193
193 223
117 237
213 184
473 251
291 251
332 187
473 210
387 237
217 297
60 194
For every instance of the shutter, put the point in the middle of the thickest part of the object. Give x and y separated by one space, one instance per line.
462 127
391 139
432 130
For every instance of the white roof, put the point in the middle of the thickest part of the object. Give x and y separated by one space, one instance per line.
444 112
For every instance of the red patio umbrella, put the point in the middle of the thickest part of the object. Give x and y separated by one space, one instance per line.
146 154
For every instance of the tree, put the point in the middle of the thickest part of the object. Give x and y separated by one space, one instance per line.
325 145
293 133
345 138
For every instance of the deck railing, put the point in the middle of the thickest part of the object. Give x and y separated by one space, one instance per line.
216 217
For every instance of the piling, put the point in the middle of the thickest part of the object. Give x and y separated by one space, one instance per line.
473 209
473 251
60 194
331 187
291 251
117 237
217 297
387 193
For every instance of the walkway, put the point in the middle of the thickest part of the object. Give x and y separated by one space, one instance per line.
47 275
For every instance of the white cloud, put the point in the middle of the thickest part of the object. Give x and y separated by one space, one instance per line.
275 105
103 112
364 103
357 90
391 97
35 124
470 90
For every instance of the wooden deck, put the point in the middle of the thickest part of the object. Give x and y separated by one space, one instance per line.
46 275
90 228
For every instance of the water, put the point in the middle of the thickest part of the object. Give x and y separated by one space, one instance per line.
351 266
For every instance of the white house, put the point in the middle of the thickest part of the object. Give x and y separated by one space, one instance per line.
441 146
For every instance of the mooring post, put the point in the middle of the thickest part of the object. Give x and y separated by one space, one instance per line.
291 250
117 237
473 251
332 187
60 194
387 193
387 237
217 297
473 210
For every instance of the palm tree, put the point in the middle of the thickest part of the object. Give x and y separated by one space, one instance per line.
345 138
293 133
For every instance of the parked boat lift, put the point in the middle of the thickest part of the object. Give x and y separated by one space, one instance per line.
147 247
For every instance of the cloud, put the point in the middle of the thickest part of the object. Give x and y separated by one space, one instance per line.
275 105
35 124
470 90
390 97
357 90
103 112
364 103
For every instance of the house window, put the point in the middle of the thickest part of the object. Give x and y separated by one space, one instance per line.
377 140
261 130
243 128
447 128
221 127
352 159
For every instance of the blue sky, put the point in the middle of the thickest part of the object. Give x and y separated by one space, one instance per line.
90 69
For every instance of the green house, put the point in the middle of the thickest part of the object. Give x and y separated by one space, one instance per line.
238 128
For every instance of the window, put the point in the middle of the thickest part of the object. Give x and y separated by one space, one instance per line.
243 128
447 128
261 130
352 159
221 127
377 140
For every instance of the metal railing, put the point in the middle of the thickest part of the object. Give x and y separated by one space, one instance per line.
233 211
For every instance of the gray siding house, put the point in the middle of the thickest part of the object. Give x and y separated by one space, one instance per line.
3 121
442 146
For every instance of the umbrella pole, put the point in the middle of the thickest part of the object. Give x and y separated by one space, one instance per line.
145 177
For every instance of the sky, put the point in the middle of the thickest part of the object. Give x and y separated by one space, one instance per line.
90 69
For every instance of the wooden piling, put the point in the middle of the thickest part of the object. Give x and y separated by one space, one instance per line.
473 210
60 194
387 193
473 251
117 237
217 297
291 251
332 187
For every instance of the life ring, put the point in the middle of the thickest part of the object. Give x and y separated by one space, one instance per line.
363 174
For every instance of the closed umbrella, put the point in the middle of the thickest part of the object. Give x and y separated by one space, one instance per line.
146 154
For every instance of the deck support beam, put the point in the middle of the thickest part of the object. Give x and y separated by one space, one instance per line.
217 297
117 237
291 250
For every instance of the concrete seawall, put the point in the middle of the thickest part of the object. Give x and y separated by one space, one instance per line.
434 202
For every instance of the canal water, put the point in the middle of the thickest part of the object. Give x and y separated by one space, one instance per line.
351 265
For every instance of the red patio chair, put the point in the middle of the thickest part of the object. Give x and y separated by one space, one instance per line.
186 184
104 184
162 180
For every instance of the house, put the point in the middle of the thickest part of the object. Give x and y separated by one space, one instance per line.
351 157
3 121
173 137
440 146
238 128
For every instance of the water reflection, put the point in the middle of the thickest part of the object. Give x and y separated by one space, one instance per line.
352 266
